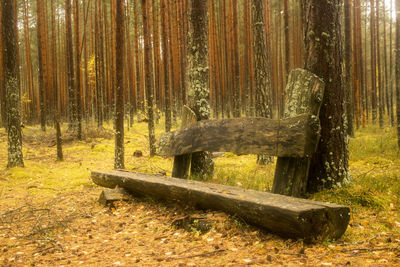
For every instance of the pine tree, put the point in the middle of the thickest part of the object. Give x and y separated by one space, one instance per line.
12 82
398 69
119 74
198 73
322 32
262 66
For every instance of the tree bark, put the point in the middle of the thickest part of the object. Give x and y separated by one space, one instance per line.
165 58
322 35
77 71
12 82
148 75
398 70
198 72
348 67
262 66
119 74
42 63
373 62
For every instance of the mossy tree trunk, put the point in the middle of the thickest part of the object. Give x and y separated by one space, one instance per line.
199 91
12 83
322 32
119 74
262 66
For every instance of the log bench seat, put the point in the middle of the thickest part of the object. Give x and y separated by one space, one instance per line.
283 215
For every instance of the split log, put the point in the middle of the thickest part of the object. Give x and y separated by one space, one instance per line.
292 137
283 215
304 93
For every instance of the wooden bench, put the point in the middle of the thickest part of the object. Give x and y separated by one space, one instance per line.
292 139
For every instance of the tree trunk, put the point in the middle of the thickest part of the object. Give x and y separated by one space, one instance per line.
373 62
398 70
165 57
119 74
348 67
391 68
70 65
42 63
148 75
262 66
77 71
3 93
12 82
322 35
379 69
29 66
287 42
198 72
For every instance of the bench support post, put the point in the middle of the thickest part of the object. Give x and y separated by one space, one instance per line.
304 93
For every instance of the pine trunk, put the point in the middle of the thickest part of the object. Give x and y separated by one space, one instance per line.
148 75
198 72
322 35
398 70
42 63
262 66
12 82
119 74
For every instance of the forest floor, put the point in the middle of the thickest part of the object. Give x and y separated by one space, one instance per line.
50 215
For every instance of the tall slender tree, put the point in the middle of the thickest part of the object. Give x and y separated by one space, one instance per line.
70 65
398 69
348 61
374 101
322 35
77 70
119 69
3 108
262 66
148 75
165 60
12 82
42 63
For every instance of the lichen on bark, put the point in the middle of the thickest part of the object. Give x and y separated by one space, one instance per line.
322 31
12 83
199 91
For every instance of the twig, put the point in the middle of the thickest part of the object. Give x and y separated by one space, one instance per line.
204 254
365 173
358 250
